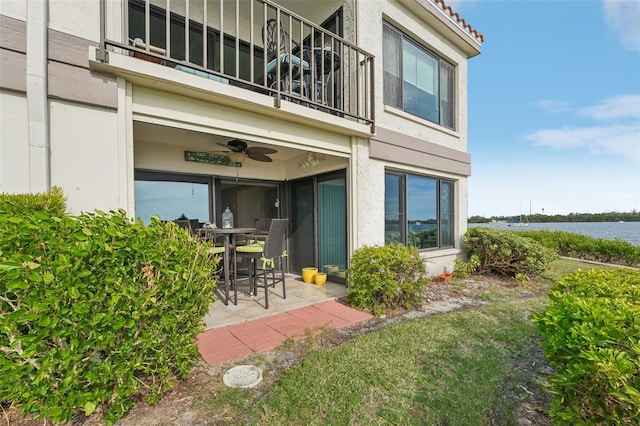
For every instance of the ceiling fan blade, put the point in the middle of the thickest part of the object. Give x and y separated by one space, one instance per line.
227 147
259 157
237 145
260 150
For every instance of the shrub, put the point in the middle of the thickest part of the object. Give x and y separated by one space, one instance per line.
96 309
18 204
507 253
386 277
568 244
463 269
591 333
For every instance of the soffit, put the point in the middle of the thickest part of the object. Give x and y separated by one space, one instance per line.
442 17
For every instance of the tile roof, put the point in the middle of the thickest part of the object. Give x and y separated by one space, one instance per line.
459 20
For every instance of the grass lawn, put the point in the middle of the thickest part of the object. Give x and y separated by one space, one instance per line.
563 267
448 369
444 369
476 366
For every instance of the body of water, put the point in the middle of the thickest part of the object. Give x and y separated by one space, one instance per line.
627 231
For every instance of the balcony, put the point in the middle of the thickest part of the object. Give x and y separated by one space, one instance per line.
253 44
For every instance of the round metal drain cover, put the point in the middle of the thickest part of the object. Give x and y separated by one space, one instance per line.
243 376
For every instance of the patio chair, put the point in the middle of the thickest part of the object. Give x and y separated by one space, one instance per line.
260 234
279 57
270 257
194 225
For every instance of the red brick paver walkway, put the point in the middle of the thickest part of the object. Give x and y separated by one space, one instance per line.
238 341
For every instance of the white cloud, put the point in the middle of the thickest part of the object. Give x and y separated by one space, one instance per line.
617 133
615 108
623 19
553 106
622 140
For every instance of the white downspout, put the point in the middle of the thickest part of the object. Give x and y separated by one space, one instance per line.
37 100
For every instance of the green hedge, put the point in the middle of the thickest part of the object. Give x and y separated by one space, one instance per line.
18 204
591 335
507 253
96 310
386 277
568 244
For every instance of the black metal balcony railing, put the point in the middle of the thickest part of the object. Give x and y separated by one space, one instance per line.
255 44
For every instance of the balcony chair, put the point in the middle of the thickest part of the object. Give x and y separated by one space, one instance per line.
324 71
270 256
278 55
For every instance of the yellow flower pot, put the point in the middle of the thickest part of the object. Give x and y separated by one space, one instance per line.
320 278
308 273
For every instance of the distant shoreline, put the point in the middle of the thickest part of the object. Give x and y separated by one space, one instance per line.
573 217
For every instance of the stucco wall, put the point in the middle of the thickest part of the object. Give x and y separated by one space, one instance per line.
14 143
79 18
371 15
84 155
14 8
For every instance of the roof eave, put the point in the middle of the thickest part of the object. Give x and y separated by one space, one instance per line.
446 21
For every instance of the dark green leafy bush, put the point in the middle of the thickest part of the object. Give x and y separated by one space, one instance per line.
18 204
464 268
386 277
568 244
591 333
96 309
507 253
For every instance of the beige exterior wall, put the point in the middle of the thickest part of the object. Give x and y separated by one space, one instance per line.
78 18
84 156
411 141
16 9
14 143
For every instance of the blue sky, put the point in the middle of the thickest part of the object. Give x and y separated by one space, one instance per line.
554 106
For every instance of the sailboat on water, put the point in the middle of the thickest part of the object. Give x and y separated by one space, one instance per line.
521 222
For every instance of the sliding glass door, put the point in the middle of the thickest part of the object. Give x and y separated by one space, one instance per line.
319 224
302 239
332 225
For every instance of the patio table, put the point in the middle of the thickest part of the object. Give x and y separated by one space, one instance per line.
229 238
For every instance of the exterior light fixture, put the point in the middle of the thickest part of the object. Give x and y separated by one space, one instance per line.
237 157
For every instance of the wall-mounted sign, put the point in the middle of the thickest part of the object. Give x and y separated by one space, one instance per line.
205 157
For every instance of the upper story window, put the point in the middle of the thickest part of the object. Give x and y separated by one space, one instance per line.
416 80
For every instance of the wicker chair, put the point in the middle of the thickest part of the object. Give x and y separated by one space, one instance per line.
267 260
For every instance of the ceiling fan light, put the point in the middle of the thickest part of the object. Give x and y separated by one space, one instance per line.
237 157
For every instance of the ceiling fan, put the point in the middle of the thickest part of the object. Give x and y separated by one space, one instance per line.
238 151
